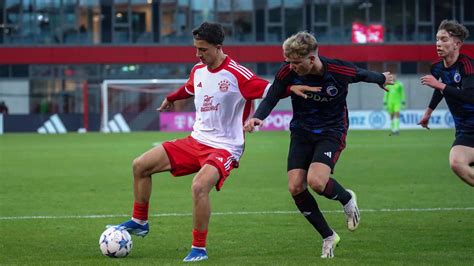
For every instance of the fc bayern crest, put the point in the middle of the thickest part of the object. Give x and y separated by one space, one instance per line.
331 90
224 85
457 77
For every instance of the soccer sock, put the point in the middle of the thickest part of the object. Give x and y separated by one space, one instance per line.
396 125
335 191
392 125
309 208
199 238
140 211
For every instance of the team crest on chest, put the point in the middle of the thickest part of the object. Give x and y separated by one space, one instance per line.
457 77
224 85
331 91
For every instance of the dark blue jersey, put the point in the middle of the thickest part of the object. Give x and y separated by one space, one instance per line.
323 112
459 92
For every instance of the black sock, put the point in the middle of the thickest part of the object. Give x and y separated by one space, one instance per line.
334 191
309 208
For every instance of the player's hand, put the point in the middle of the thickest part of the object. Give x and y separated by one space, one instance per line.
301 89
425 121
251 124
165 105
389 80
431 81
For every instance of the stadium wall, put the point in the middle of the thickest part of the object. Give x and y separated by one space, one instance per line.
241 53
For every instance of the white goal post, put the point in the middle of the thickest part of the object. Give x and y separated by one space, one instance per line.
133 85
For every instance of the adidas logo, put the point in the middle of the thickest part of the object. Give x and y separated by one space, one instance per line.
52 126
220 159
117 125
328 154
199 85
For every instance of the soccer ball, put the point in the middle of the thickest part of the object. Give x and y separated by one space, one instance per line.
115 242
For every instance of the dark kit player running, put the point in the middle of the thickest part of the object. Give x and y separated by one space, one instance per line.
456 72
318 128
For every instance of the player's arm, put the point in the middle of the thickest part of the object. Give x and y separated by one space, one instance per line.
465 95
402 95
381 79
356 74
180 94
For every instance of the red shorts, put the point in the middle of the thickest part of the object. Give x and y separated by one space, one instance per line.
187 156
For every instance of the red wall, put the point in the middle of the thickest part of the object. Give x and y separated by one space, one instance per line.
185 54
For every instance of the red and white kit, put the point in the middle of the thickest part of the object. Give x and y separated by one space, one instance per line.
222 98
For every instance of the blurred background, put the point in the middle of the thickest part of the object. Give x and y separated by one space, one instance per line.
56 54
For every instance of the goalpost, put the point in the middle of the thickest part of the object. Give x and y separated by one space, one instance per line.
136 96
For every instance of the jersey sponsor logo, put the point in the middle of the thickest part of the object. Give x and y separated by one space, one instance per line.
199 85
224 85
331 91
457 77
207 105
317 97
328 154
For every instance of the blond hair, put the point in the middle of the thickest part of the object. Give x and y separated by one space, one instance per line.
300 44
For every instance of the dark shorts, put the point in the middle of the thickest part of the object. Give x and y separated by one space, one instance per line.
464 140
307 148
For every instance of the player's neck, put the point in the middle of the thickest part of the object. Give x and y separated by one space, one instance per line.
449 60
318 67
219 60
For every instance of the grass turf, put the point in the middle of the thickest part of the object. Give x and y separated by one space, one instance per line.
52 185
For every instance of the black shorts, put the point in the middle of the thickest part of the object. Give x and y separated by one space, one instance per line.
307 148
464 140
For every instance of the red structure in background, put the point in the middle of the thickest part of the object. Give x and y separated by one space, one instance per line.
185 54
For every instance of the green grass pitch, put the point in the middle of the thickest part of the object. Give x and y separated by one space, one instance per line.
58 192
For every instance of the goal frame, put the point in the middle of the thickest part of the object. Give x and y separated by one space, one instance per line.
105 93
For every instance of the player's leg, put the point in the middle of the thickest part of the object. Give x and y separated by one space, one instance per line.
152 161
396 118
299 157
460 159
325 156
216 168
202 184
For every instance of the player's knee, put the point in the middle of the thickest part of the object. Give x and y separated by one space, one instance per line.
198 188
295 189
138 167
457 166
317 184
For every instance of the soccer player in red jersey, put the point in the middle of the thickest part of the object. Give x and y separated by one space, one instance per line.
223 90
318 128
452 78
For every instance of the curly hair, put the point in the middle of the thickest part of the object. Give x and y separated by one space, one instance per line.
300 44
210 32
455 29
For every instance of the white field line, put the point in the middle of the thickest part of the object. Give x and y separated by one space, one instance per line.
228 213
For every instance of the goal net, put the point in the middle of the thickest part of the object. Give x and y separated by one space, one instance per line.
131 104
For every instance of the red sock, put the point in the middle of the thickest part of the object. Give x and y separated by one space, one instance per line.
140 211
199 238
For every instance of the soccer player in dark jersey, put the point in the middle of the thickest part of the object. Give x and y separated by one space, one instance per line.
318 128
452 78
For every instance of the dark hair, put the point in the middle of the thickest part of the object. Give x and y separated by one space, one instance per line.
455 29
210 32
